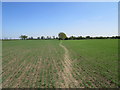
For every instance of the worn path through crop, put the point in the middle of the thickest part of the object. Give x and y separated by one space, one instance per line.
69 80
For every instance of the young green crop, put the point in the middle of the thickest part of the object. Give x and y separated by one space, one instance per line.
99 59
51 64
27 54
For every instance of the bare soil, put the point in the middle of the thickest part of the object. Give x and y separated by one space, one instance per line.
69 80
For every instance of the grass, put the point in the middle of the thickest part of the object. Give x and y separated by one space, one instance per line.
39 63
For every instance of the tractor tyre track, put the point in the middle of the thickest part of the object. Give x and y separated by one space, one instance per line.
67 71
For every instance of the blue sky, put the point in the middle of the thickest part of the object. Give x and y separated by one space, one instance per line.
49 18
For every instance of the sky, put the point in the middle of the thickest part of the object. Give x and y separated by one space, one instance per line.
49 18
0 20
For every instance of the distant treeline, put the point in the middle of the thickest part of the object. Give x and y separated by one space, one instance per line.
89 37
24 37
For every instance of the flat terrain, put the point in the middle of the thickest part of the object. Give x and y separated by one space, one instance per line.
0 63
60 64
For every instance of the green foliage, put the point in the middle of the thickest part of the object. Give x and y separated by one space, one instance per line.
23 37
62 36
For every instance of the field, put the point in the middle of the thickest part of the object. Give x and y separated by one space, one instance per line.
60 64
0 63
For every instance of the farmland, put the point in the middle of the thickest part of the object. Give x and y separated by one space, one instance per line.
60 63
0 63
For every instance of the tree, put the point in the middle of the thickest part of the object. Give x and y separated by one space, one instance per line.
31 38
87 37
47 37
53 37
72 38
42 37
62 36
23 37
50 37
80 37
38 37
56 38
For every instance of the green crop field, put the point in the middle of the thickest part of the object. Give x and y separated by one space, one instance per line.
60 63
